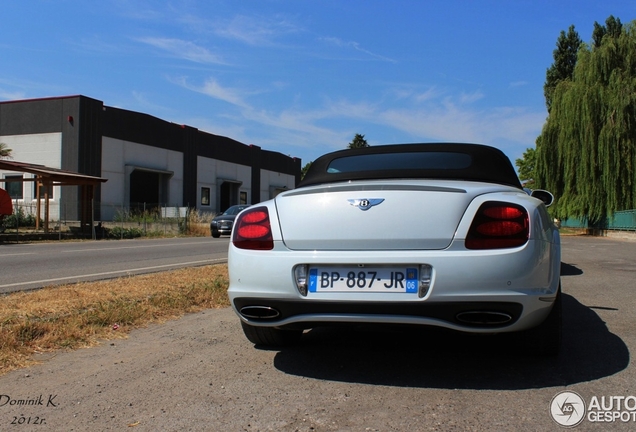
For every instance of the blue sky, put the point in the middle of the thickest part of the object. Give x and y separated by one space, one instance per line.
303 77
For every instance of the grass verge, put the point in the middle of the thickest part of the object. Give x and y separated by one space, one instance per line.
81 315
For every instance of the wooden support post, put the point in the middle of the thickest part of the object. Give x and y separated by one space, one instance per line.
47 185
38 183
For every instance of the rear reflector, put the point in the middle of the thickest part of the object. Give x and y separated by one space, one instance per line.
498 225
252 230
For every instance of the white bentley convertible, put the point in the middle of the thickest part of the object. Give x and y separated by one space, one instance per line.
421 234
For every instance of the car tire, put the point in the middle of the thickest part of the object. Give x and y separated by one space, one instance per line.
545 339
215 234
270 336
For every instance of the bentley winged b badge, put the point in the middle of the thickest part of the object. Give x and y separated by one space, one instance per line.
365 203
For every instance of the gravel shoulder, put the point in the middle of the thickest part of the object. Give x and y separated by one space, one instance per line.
199 373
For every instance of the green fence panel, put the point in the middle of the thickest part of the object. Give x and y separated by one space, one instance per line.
574 223
622 220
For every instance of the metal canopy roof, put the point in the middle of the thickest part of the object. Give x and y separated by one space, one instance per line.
55 175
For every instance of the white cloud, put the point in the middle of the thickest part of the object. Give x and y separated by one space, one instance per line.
213 89
20 88
356 46
12 95
451 123
444 120
254 30
431 115
184 50
429 94
468 98
145 104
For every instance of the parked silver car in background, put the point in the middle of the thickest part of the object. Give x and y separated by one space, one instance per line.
421 234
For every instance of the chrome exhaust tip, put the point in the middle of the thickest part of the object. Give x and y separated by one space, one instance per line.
259 312
483 318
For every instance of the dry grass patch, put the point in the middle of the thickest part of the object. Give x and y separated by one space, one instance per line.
199 229
80 315
199 223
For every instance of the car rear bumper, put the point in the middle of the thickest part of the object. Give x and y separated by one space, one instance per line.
474 315
508 290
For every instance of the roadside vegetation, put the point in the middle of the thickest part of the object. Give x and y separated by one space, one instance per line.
85 314
125 225
151 223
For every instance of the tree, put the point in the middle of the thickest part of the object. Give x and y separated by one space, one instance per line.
613 28
586 153
358 142
562 69
525 167
5 151
304 170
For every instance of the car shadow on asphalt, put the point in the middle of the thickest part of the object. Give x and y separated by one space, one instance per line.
437 358
570 270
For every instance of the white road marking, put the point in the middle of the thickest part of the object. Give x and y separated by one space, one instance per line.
133 247
44 281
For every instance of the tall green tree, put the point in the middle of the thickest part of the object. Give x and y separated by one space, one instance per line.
525 167
586 154
613 28
565 56
358 142
304 169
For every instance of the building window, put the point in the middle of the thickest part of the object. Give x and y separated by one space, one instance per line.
243 198
43 190
205 196
14 188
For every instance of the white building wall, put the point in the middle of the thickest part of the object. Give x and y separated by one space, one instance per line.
43 149
272 183
118 158
212 172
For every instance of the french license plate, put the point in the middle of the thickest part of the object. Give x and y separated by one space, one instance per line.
363 279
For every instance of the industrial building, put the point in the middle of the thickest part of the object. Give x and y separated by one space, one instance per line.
147 162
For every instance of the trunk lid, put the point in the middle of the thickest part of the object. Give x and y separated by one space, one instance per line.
375 216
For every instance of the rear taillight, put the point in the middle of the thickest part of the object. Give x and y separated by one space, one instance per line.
498 225
252 230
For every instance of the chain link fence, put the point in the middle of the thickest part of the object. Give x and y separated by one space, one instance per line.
109 220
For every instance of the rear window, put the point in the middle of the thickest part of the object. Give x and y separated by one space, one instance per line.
400 161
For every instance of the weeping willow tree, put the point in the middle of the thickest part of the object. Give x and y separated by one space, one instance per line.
586 153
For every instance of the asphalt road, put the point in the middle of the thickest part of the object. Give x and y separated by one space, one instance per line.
199 373
35 265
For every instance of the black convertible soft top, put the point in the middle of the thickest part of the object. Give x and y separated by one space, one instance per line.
446 161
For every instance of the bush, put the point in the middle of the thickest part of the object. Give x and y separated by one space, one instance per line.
127 233
19 219
139 216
